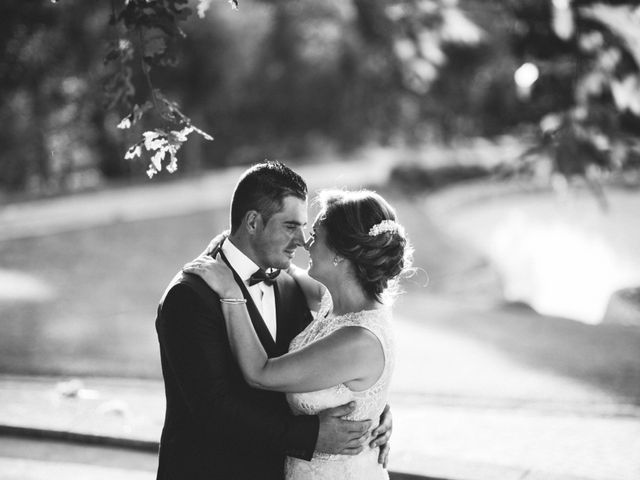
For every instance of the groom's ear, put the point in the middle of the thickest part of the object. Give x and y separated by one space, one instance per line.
253 220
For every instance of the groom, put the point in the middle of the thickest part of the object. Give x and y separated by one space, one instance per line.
216 426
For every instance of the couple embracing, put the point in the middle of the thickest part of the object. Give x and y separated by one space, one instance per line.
275 372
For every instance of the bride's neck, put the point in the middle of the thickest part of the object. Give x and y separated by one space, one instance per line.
348 297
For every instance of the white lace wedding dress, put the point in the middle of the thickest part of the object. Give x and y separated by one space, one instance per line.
369 403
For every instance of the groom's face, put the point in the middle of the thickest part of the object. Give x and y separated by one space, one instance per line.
276 241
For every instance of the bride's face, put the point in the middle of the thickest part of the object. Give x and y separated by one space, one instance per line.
320 255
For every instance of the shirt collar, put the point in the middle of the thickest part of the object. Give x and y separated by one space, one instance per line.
242 264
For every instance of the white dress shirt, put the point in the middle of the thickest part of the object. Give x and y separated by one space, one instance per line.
263 296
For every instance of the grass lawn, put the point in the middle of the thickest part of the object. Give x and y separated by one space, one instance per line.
107 282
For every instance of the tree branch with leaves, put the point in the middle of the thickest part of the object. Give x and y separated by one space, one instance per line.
147 34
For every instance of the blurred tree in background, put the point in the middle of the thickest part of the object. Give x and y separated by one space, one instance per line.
292 79
274 79
587 98
55 133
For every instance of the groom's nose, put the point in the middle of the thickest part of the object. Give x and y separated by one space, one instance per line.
299 238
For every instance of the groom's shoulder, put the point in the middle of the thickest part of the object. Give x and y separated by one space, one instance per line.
288 285
187 285
284 280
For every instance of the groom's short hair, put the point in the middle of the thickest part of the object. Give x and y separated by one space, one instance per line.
263 188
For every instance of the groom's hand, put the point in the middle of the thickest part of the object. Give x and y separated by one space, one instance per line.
339 436
381 435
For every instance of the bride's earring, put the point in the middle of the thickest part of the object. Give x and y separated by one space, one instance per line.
335 261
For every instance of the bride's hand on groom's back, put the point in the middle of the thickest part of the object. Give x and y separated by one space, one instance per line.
339 436
217 274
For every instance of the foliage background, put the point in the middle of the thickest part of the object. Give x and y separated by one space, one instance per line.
296 79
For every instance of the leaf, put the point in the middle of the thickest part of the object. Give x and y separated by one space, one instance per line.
428 7
125 123
404 49
626 94
204 135
155 42
430 48
420 74
156 159
126 49
591 84
203 6
151 171
139 111
181 136
135 115
551 122
621 20
134 151
172 167
170 110
457 28
396 12
591 41
153 140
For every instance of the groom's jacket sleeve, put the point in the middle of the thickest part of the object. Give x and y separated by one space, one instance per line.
193 337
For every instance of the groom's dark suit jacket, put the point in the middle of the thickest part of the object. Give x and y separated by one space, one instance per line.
216 426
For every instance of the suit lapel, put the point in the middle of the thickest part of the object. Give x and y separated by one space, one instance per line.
282 336
256 319
292 316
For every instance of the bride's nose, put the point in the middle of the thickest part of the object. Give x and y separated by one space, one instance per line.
307 243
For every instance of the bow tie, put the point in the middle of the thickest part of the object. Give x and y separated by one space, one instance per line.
261 276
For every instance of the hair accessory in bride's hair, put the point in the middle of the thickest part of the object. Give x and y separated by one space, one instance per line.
385 226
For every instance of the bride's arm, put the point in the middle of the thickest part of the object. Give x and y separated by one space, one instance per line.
312 289
348 354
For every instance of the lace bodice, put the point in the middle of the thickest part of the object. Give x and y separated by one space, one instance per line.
369 403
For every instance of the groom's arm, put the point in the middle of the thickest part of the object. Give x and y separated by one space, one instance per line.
194 340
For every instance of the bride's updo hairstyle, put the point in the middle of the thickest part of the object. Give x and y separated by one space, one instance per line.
361 227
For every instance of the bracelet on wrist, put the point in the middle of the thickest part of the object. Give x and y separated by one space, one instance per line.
233 301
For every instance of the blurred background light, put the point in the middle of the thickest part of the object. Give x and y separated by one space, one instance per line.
525 76
562 19
561 4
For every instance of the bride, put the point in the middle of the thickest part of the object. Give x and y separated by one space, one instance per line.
357 252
